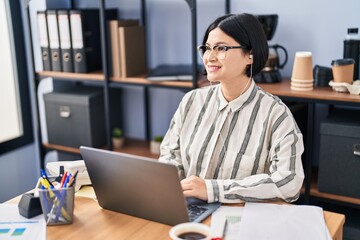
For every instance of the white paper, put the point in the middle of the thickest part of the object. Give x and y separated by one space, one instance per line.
233 217
282 222
14 226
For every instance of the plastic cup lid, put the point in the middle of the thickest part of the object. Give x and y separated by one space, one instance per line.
342 62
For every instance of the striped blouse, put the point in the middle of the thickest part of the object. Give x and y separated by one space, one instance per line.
248 149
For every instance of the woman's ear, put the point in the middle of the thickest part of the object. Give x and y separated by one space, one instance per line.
251 58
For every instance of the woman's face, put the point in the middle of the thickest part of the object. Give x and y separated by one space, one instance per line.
232 67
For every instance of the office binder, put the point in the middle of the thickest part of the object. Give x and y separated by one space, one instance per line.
54 40
44 40
65 41
132 51
85 36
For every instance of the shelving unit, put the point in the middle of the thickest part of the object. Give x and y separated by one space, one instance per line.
107 82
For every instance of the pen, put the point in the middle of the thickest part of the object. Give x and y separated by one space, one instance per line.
73 179
51 213
46 204
223 233
45 176
225 228
63 179
61 203
45 183
67 180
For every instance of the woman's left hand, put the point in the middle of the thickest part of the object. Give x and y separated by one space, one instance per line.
194 186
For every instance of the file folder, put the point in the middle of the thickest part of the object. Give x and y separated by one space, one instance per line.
65 41
85 36
54 40
82 35
44 40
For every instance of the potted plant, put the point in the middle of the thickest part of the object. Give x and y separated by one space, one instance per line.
117 137
155 144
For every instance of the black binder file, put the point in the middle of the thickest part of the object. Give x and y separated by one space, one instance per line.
44 40
65 41
54 40
85 38
85 35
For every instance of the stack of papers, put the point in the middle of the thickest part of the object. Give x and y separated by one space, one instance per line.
270 221
14 226
233 217
283 222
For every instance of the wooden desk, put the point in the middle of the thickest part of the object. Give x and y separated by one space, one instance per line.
93 222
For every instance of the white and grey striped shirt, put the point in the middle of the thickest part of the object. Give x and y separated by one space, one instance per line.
248 149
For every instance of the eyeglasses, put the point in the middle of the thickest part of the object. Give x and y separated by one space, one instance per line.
220 51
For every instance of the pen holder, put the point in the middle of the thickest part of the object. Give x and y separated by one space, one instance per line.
57 205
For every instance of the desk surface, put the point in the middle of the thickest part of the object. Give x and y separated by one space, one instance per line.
317 94
93 222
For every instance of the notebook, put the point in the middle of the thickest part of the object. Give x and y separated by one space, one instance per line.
141 187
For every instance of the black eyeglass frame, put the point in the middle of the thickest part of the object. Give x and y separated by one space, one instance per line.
226 48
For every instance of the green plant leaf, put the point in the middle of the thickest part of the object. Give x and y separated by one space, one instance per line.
117 132
158 138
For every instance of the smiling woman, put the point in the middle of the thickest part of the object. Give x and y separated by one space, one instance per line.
15 123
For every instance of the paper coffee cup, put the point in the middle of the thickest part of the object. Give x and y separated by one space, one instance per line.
302 68
343 70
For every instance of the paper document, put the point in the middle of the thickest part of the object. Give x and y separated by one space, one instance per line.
233 217
282 222
86 191
14 226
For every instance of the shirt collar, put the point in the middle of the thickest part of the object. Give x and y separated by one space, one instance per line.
236 103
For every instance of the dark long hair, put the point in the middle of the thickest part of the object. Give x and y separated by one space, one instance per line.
247 31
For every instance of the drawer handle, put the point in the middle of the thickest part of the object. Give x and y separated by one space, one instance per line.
65 111
356 148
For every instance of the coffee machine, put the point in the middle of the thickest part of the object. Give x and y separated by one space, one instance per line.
271 71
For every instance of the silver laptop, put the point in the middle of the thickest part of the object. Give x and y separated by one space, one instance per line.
141 187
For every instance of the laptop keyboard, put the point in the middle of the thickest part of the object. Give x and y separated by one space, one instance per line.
195 211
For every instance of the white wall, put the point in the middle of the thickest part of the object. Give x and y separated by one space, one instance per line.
318 26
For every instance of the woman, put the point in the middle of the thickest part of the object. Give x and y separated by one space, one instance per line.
234 142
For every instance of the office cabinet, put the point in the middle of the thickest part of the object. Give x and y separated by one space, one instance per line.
340 153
